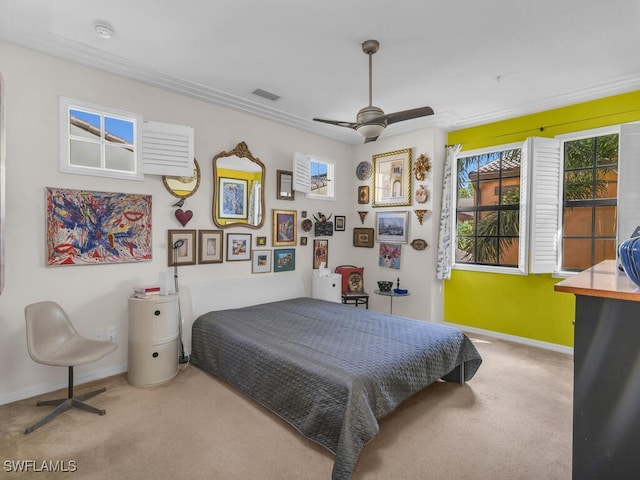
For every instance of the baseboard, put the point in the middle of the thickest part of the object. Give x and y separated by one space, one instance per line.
512 338
52 387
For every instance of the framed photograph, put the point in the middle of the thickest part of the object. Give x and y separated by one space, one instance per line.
284 259
232 200
392 226
340 223
210 246
303 240
389 255
320 253
181 247
392 179
284 228
261 241
363 194
285 185
261 261
363 237
238 246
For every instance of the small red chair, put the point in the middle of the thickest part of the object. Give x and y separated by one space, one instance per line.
353 285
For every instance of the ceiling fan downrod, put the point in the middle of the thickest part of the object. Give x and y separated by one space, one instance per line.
370 47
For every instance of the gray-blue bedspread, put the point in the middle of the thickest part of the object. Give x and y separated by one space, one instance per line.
328 369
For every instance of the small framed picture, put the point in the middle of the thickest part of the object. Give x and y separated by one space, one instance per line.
182 247
320 253
285 185
238 246
389 255
261 261
210 246
392 226
363 237
303 240
340 223
284 228
363 194
261 241
284 259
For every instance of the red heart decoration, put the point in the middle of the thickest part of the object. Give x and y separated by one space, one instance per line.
183 217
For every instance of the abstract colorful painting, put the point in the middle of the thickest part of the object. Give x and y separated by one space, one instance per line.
92 228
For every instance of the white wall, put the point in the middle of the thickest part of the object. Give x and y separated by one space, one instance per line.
96 296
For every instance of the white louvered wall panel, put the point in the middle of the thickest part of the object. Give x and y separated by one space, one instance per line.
167 149
544 155
301 172
628 181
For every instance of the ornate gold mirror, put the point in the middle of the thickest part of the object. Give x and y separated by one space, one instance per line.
183 187
238 193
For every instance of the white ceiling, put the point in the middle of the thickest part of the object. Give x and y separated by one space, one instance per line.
472 61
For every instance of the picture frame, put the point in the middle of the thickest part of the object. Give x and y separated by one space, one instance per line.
363 194
261 261
285 189
210 246
284 259
392 179
238 247
232 198
340 223
392 227
363 237
389 255
261 241
320 253
303 241
284 228
182 254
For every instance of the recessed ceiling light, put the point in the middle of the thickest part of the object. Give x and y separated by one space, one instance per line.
103 29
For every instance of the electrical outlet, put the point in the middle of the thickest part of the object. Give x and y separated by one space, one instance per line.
111 333
99 334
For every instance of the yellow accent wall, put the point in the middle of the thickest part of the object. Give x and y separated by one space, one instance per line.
526 306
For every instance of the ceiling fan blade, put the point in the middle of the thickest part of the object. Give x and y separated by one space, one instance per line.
337 122
406 115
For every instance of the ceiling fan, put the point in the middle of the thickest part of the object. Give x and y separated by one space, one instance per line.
371 121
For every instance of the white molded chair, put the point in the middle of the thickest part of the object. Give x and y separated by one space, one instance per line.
52 340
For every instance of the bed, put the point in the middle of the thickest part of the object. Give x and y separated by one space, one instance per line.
328 369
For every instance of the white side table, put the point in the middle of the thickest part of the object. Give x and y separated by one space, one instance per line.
153 340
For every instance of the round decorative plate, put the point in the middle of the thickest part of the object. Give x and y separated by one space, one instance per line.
363 170
419 244
307 225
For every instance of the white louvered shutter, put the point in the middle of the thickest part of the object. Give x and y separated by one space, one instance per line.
301 172
545 203
167 149
628 180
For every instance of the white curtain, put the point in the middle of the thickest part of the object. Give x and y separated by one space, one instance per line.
444 262
255 205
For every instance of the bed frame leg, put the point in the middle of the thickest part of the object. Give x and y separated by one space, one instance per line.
462 374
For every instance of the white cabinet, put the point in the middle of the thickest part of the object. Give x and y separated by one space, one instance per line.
153 340
327 288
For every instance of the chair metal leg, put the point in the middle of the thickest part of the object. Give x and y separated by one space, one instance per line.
65 404
63 407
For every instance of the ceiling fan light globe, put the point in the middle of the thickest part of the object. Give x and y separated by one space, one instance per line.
370 130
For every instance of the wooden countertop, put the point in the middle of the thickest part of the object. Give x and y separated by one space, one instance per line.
601 280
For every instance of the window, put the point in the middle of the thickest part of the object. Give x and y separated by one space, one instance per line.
98 140
102 141
589 201
488 209
314 176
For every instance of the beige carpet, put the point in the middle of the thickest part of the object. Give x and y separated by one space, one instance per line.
512 421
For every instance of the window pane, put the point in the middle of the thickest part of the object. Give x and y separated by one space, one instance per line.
509 251
606 221
119 131
578 153
119 158
487 250
487 192
607 150
84 124
578 185
607 184
319 179
84 154
604 250
510 223
576 253
577 221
